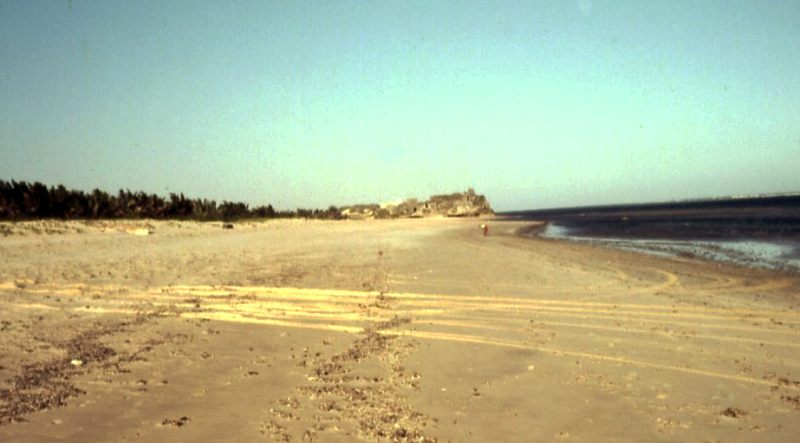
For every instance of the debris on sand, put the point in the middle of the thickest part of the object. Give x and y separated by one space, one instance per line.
795 400
176 422
733 412
47 384
339 389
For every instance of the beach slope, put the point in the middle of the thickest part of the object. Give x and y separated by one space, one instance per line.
393 330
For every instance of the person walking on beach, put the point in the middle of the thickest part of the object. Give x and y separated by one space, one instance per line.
485 228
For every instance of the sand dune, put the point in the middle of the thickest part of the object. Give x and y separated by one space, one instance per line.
407 330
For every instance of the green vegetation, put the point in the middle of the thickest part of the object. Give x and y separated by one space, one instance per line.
25 201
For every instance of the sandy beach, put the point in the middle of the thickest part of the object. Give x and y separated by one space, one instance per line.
395 330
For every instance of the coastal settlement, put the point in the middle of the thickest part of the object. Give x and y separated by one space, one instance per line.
460 204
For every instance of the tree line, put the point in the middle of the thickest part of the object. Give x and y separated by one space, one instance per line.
20 200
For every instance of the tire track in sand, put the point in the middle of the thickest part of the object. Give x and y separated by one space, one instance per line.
339 309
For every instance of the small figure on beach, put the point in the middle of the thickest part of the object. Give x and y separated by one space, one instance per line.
485 228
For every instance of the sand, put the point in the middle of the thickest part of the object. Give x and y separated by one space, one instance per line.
405 330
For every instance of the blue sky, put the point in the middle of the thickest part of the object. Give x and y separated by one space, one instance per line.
306 104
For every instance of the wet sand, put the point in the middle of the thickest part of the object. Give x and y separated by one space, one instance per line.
406 330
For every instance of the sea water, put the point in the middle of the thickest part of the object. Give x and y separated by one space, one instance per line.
777 254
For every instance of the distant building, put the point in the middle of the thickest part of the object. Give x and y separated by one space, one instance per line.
359 212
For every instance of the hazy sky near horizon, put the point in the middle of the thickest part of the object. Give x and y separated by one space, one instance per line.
305 104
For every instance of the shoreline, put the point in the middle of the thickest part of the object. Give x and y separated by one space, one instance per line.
777 254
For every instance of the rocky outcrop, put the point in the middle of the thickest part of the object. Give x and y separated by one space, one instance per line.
461 204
